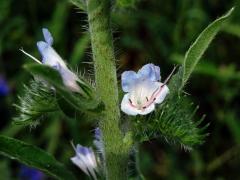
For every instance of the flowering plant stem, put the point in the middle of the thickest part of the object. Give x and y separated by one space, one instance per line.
116 152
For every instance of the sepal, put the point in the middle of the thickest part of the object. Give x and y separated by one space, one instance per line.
173 121
36 102
84 101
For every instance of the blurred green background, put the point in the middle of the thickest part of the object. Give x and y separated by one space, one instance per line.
145 31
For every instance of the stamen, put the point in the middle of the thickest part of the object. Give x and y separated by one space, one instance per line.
147 98
29 55
156 91
71 142
170 75
153 97
130 101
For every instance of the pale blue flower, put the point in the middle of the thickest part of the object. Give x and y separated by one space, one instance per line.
85 159
143 90
51 58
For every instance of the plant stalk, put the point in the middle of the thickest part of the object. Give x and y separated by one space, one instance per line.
116 152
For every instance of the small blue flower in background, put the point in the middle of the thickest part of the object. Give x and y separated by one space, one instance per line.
98 141
97 133
85 159
28 173
50 57
143 90
4 89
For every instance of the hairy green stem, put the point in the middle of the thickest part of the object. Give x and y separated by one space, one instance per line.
116 152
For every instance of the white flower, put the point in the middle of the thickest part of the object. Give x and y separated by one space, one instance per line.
51 58
143 90
85 159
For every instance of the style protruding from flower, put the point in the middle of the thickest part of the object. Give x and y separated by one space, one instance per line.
143 90
85 159
51 58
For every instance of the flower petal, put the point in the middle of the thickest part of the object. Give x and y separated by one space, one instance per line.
69 79
147 110
163 93
128 80
47 36
91 160
78 162
150 71
42 47
82 150
142 91
127 108
49 55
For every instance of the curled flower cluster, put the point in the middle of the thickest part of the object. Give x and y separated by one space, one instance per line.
143 90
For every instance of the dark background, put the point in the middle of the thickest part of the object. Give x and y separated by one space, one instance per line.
158 31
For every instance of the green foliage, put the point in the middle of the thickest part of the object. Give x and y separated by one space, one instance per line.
39 98
153 32
5 171
34 157
37 101
80 4
207 67
61 12
79 49
233 29
85 101
200 45
126 3
116 152
174 122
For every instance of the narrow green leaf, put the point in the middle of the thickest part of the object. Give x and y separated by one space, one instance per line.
34 157
200 45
